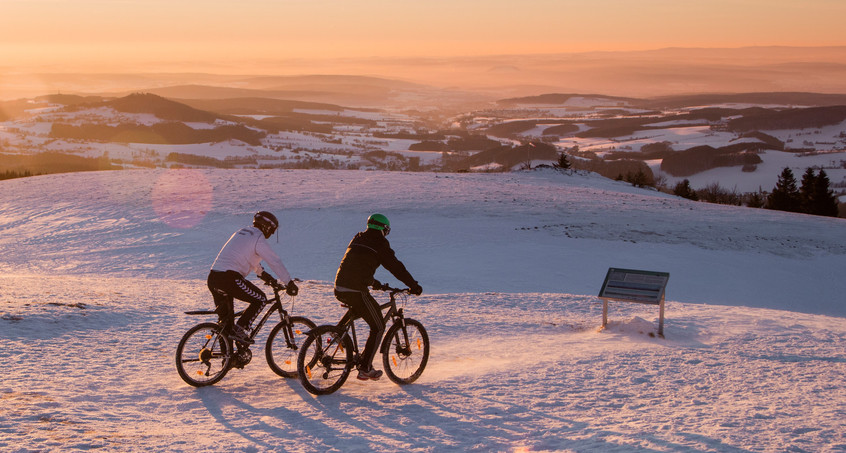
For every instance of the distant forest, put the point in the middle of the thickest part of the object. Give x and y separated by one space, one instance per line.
161 133
17 165
701 158
814 117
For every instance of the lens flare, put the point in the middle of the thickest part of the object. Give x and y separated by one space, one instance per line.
182 198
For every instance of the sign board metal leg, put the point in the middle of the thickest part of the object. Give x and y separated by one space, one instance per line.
661 318
604 313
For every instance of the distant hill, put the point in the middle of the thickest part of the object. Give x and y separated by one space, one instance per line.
257 106
350 95
218 92
161 133
70 99
561 99
692 100
776 98
12 109
172 130
509 156
20 107
322 82
814 117
352 91
330 89
161 107
52 162
737 120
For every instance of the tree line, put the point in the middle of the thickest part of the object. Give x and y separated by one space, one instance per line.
813 196
24 165
160 133
12 174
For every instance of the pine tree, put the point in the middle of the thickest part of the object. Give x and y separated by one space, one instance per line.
562 162
683 189
638 179
824 201
785 195
755 200
807 191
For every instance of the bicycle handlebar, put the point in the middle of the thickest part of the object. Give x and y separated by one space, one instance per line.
387 287
273 283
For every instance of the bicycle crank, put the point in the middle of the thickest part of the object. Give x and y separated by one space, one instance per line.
242 358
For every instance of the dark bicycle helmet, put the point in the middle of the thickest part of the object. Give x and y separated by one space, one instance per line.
266 222
379 222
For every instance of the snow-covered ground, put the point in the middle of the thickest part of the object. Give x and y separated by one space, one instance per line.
97 269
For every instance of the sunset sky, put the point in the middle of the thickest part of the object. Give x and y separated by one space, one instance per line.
117 35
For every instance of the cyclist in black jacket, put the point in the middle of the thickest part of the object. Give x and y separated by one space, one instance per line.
366 252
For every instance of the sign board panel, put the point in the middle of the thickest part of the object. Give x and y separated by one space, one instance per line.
631 285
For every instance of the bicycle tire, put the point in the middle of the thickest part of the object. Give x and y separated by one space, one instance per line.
325 360
281 358
204 355
404 361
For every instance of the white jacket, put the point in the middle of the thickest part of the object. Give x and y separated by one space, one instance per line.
244 252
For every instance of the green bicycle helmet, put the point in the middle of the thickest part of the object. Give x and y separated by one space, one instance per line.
379 222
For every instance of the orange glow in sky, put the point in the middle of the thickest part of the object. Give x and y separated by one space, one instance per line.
235 36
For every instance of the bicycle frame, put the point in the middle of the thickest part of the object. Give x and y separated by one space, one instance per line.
283 316
394 314
275 305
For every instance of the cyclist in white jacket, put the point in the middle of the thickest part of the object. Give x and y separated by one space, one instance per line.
242 254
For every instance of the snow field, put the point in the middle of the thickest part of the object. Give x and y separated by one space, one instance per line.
507 371
96 275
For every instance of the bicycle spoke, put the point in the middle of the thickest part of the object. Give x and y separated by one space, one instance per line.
284 344
324 362
406 351
201 357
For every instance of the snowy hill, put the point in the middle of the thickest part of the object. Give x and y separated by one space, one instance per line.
98 268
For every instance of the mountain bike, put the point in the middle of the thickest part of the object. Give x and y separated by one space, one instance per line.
207 352
330 352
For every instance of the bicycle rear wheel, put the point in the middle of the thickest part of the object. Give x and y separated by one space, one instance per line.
203 355
405 351
282 357
325 360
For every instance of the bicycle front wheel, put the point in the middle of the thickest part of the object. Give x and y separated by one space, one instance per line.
282 355
405 351
204 355
325 360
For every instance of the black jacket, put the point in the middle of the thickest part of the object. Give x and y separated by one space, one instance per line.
366 252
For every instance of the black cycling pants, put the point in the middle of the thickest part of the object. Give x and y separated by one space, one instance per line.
363 305
229 285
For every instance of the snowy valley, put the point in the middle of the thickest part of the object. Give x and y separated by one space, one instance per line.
740 142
